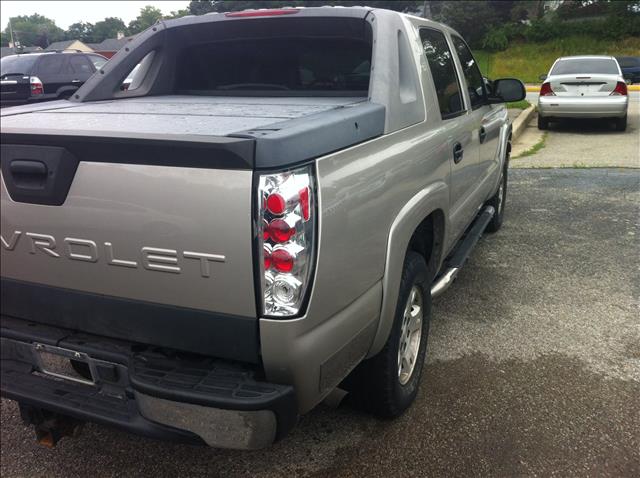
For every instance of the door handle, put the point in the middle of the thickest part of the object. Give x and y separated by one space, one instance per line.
457 153
482 134
75 81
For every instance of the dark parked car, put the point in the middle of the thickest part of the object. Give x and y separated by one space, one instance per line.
35 77
630 66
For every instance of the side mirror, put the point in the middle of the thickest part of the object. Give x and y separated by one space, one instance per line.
542 77
507 90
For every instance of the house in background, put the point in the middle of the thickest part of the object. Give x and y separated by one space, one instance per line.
74 45
110 46
106 48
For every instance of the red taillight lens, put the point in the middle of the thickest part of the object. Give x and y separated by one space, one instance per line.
276 203
262 13
280 231
545 90
303 194
266 253
620 89
282 260
286 236
36 86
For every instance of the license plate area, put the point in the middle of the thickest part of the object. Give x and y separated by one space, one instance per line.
56 362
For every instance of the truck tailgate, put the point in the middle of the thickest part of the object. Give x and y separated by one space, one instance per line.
156 250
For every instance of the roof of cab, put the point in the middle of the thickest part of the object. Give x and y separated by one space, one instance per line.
264 13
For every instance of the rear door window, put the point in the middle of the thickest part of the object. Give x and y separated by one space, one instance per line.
585 65
51 66
472 75
80 67
445 78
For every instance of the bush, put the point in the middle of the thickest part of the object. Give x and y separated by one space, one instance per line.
495 40
612 28
498 39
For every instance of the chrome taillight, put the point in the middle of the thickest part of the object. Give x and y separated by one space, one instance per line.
286 239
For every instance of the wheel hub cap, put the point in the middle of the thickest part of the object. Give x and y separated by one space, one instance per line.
410 335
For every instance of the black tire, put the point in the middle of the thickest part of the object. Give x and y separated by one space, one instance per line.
543 123
375 384
621 123
499 204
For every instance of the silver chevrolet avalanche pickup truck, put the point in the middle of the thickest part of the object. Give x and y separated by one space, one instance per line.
259 218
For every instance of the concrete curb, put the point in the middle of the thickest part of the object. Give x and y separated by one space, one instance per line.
520 123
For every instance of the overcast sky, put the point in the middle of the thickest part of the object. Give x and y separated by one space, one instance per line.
65 13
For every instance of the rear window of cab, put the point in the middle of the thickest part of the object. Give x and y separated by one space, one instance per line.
277 57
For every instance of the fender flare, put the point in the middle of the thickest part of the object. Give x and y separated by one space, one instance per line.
432 198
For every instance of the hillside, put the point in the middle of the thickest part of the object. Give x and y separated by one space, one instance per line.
527 61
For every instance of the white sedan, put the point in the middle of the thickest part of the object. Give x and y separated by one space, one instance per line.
583 87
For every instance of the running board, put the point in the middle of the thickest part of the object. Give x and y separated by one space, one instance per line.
462 252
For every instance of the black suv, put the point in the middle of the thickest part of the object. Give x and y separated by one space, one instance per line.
34 77
630 66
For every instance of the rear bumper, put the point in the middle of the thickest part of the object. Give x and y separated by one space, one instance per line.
165 394
583 107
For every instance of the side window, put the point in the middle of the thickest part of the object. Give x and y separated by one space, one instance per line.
443 72
475 82
80 65
98 61
51 65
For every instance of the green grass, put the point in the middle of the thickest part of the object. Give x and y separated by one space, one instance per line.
527 61
521 105
533 149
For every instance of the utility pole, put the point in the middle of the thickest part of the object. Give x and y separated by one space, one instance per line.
426 10
13 43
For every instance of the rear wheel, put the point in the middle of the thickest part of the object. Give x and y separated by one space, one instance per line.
387 384
543 123
621 123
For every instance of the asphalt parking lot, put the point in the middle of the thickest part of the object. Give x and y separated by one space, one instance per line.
533 365
584 143
533 361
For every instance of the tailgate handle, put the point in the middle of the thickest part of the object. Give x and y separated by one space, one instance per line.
37 174
31 168
28 174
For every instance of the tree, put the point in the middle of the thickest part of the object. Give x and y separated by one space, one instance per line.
148 16
35 30
472 19
200 7
108 28
82 31
178 14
